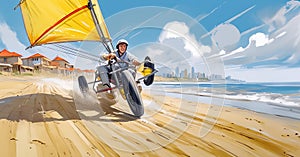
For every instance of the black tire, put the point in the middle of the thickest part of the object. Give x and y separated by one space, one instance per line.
149 80
84 88
132 94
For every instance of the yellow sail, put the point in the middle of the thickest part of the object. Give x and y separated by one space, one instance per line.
54 21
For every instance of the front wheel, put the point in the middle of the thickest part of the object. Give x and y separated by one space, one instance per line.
132 94
83 85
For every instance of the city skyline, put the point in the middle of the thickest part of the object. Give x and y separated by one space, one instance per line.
195 75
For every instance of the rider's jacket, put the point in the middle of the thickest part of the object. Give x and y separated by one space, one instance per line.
126 56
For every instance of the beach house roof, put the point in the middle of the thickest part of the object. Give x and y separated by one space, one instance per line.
37 55
57 58
6 53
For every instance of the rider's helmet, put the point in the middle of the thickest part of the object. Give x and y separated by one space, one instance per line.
122 41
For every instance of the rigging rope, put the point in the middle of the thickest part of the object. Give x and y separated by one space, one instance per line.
73 51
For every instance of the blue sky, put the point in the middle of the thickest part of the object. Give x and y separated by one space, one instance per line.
252 40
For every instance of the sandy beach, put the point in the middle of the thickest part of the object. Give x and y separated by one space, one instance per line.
48 117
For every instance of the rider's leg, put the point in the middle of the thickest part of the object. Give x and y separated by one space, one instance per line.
102 71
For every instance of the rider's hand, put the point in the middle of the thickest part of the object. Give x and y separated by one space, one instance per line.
110 56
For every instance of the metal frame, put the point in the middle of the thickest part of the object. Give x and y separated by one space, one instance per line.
106 43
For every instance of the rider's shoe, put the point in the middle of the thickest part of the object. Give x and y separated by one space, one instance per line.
100 87
110 95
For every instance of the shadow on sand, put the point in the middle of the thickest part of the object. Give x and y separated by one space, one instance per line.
43 107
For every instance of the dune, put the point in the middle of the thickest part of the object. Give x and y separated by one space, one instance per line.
49 117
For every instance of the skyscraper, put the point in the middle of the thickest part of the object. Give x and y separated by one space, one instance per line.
193 73
177 72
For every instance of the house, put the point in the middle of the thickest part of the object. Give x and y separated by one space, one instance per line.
5 67
62 66
10 61
60 62
37 61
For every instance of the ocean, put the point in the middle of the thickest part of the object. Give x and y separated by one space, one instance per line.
281 99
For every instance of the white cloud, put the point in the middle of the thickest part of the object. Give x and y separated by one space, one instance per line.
180 31
176 46
174 30
225 35
281 17
238 50
228 22
260 39
222 52
284 44
278 49
10 41
256 40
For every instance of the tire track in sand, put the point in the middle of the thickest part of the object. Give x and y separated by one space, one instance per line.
52 128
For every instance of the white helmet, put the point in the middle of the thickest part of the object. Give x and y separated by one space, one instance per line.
122 41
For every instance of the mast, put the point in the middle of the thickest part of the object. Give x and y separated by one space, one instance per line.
106 43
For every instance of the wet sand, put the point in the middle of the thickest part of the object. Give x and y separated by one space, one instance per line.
48 117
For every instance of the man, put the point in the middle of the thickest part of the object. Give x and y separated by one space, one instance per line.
122 53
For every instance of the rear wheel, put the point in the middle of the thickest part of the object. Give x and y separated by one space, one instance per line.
83 85
132 94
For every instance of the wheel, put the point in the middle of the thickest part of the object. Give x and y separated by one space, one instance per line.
149 80
84 88
132 94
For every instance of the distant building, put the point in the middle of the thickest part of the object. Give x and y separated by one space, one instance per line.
10 61
215 77
185 73
193 73
37 61
181 74
177 72
201 75
228 78
60 62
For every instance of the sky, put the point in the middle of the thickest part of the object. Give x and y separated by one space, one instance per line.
251 40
